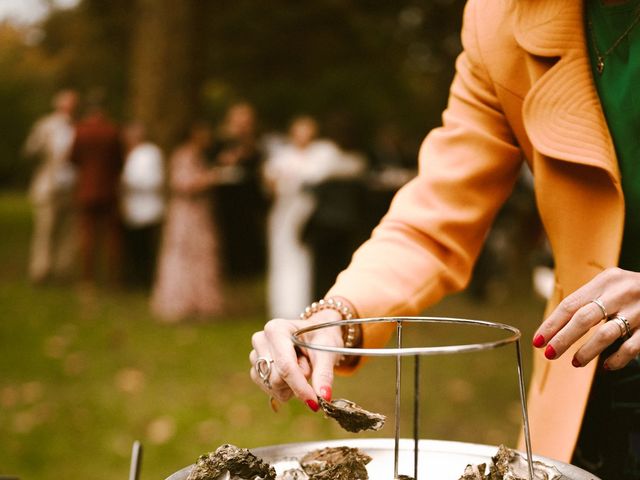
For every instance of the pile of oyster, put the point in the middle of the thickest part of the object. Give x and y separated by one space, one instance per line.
229 462
336 463
510 465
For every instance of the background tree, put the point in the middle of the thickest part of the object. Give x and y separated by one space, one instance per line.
166 62
164 85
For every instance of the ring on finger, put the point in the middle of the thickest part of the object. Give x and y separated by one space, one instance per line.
621 326
623 322
263 369
601 306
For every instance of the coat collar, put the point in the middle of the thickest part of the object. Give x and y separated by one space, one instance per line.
562 111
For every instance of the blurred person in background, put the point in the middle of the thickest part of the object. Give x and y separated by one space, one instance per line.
240 205
98 156
337 225
187 283
393 164
142 204
51 191
288 173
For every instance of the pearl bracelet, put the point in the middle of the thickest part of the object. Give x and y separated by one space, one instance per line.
328 304
351 334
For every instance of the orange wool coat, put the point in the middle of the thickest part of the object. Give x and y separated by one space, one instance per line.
523 91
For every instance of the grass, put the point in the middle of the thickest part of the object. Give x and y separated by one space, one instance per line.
80 381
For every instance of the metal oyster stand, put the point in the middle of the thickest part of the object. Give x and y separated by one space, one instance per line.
400 351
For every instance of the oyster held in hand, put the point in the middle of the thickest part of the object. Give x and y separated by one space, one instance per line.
352 417
231 462
336 463
510 465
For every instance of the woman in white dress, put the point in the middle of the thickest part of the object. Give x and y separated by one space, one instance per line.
289 172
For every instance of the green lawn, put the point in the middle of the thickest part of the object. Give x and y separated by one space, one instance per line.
79 382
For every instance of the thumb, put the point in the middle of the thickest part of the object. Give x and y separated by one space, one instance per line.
322 375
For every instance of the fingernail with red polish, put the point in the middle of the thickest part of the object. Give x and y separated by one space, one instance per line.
538 341
606 366
325 392
550 352
575 362
312 404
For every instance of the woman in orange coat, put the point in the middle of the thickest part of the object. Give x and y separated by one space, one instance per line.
528 87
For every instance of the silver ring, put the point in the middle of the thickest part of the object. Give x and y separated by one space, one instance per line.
263 369
625 322
600 305
621 326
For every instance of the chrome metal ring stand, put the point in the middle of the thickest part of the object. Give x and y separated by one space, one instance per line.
399 351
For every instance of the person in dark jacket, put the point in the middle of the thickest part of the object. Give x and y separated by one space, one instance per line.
97 153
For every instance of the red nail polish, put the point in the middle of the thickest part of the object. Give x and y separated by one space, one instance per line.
325 392
538 341
606 366
312 404
550 352
575 362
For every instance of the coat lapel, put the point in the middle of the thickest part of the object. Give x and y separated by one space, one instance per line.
562 111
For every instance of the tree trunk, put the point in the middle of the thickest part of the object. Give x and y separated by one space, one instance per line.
164 89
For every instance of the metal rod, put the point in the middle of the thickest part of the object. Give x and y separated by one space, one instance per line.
296 337
416 415
396 448
136 461
525 413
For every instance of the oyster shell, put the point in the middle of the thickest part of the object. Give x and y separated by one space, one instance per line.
336 463
474 472
293 474
231 462
351 416
510 465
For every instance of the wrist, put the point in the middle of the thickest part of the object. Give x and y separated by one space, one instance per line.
336 309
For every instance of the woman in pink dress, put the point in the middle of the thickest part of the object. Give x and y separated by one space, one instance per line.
188 279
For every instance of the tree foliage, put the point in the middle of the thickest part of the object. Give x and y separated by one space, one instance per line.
380 62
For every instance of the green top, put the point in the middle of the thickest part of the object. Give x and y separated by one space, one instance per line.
619 89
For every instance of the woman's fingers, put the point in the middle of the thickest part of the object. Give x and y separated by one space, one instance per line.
278 335
566 310
580 323
629 350
282 393
613 292
275 386
604 336
582 310
324 362
305 366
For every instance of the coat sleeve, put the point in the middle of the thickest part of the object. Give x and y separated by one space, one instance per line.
427 243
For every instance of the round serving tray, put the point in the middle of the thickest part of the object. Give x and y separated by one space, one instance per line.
439 460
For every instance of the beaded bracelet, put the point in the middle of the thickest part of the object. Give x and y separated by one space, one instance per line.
351 334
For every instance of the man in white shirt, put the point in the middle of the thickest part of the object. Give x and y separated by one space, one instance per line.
143 203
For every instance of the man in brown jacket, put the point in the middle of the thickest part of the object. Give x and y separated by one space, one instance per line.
97 154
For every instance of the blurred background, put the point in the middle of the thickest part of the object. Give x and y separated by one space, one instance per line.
174 174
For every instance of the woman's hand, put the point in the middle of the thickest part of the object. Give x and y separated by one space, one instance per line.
614 292
292 368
